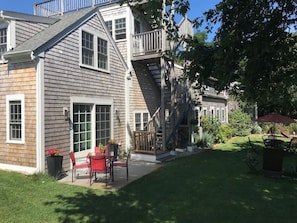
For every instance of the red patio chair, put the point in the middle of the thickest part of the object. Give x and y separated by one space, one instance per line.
98 165
76 166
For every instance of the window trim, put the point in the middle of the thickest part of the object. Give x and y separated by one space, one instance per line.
141 119
16 97
223 114
93 102
96 35
115 33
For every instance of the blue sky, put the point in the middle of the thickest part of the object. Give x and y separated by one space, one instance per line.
26 6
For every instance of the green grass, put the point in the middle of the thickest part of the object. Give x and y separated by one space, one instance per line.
213 186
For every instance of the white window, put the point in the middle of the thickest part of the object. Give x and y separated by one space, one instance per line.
211 113
120 29
7 37
15 119
87 48
204 112
109 26
141 120
102 54
218 114
223 115
94 51
3 41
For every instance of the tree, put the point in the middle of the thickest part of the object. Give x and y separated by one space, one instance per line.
254 52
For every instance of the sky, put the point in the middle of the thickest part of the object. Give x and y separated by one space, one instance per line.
197 7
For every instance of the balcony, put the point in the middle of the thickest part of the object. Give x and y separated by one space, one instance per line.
59 7
147 45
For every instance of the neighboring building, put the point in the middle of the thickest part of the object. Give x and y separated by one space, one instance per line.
73 79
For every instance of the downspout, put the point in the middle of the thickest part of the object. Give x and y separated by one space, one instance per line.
40 149
128 77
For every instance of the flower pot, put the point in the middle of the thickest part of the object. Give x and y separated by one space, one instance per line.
54 165
114 148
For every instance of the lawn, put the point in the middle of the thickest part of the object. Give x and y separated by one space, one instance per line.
213 186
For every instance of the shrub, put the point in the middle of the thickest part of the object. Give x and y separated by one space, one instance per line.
206 140
256 129
293 128
225 133
240 122
210 126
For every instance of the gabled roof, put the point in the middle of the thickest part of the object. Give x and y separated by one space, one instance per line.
62 26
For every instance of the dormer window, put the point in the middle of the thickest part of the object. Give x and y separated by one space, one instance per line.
3 41
120 28
117 28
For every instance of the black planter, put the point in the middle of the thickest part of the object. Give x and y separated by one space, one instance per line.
114 148
54 165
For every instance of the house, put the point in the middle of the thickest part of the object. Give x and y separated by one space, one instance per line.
62 85
76 75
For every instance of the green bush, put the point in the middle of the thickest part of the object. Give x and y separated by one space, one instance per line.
225 133
206 140
293 128
210 126
240 122
256 129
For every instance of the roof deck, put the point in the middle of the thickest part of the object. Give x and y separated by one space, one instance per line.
59 7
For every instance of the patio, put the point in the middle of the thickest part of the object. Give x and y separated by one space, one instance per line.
137 169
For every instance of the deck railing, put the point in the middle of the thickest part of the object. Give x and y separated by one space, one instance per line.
147 43
59 7
144 141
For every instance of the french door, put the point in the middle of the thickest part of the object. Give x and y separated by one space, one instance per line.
91 126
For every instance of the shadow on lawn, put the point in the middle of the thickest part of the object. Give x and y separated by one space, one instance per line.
214 186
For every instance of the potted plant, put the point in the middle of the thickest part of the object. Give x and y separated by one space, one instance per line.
113 147
54 162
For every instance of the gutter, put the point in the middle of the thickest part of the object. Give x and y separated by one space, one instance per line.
26 54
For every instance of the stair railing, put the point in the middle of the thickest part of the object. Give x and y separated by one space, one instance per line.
155 122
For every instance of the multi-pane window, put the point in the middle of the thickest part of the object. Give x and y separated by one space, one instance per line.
3 41
109 26
94 51
120 28
137 121
103 124
15 120
82 131
90 122
140 120
102 53
87 48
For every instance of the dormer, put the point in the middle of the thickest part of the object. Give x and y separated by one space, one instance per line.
7 37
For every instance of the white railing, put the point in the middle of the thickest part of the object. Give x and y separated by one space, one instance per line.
59 7
147 43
